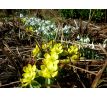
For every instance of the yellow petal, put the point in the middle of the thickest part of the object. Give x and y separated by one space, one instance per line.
45 73
35 51
46 55
43 67
34 67
54 55
54 73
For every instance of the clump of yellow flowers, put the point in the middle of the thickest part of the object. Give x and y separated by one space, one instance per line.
47 45
28 75
49 63
35 51
29 29
49 69
74 53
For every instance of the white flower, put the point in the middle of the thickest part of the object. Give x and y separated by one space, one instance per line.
87 40
21 15
105 43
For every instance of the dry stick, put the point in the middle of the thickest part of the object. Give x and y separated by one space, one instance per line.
61 61
90 18
90 14
10 83
83 69
80 80
18 52
5 44
97 78
105 52
58 85
77 74
10 58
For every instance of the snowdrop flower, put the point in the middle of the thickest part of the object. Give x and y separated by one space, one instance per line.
47 22
42 28
45 26
52 26
82 40
78 37
21 15
32 23
105 43
48 28
87 40
93 47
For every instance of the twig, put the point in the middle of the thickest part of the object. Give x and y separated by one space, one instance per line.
10 83
12 61
18 52
98 76
83 69
80 80
103 49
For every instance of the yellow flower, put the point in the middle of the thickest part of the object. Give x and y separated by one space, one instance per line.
57 48
48 45
50 65
53 66
54 74
54 55
29 68
28 75
74 58
46 55
49 68
74 53
46 73
23 20
50 57
29 29
35 51
44 46
73 49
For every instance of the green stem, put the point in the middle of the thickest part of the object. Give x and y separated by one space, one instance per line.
48 82
30 86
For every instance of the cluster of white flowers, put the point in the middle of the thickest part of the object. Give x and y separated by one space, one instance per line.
83 39
66 29
49 28
46 27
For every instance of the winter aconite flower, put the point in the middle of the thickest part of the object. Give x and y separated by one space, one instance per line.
35 51
47 45
73 49
50 66
57 48
49 69
28 75
46 73
74 58
74 53
29 29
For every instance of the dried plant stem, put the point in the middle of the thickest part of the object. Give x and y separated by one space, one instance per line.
90 72
98 76
10 83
